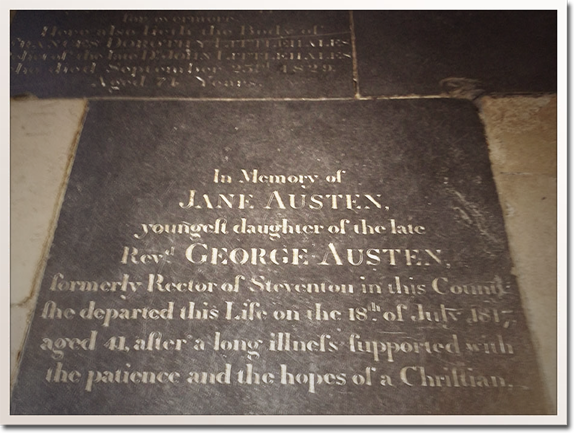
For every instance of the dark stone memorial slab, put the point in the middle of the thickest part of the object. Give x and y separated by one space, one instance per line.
464 53
327 257
221 54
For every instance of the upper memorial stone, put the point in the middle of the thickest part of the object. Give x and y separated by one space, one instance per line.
220 54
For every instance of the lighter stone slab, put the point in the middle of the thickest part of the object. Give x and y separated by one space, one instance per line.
43 138
521 132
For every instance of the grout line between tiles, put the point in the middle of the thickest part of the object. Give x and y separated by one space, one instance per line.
360 98
355 60
520 173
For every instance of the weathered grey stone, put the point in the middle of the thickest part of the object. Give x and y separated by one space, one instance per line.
424 249
458 53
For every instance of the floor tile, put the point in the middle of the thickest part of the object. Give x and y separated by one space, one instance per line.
460 53
177 228
43 138
522 133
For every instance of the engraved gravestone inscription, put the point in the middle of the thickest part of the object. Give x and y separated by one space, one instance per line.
181 54
461 53
326 257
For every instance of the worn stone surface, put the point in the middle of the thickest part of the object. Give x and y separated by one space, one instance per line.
521 133
43 137
434 206
221 54
458 53
530 204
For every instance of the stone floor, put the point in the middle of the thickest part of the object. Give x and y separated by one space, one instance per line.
522 136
